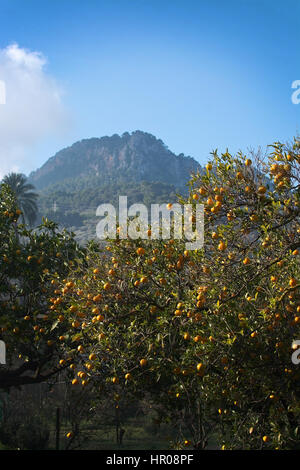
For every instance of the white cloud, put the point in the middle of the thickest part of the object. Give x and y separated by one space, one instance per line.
33 110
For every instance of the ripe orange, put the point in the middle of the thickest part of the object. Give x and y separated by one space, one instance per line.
143 362
221 246
73 308
97 298
262 190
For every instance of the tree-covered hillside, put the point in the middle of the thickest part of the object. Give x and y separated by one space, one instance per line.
74 182
73 203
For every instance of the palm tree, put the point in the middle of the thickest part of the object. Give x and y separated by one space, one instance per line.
26 198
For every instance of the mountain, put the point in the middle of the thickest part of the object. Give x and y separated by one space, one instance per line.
75 181
136 157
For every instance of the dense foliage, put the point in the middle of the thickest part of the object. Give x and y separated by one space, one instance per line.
27 259
208 334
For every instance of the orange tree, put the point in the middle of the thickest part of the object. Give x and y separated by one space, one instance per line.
207 335
27 260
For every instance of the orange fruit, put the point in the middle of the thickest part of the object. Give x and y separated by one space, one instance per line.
221 246
143 362
262 190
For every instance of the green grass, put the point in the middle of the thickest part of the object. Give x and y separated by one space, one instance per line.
135 438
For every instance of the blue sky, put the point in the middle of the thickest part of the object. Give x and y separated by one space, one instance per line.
199 75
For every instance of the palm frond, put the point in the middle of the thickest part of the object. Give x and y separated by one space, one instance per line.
25 195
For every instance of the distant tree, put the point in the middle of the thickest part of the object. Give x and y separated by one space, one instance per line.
25 197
